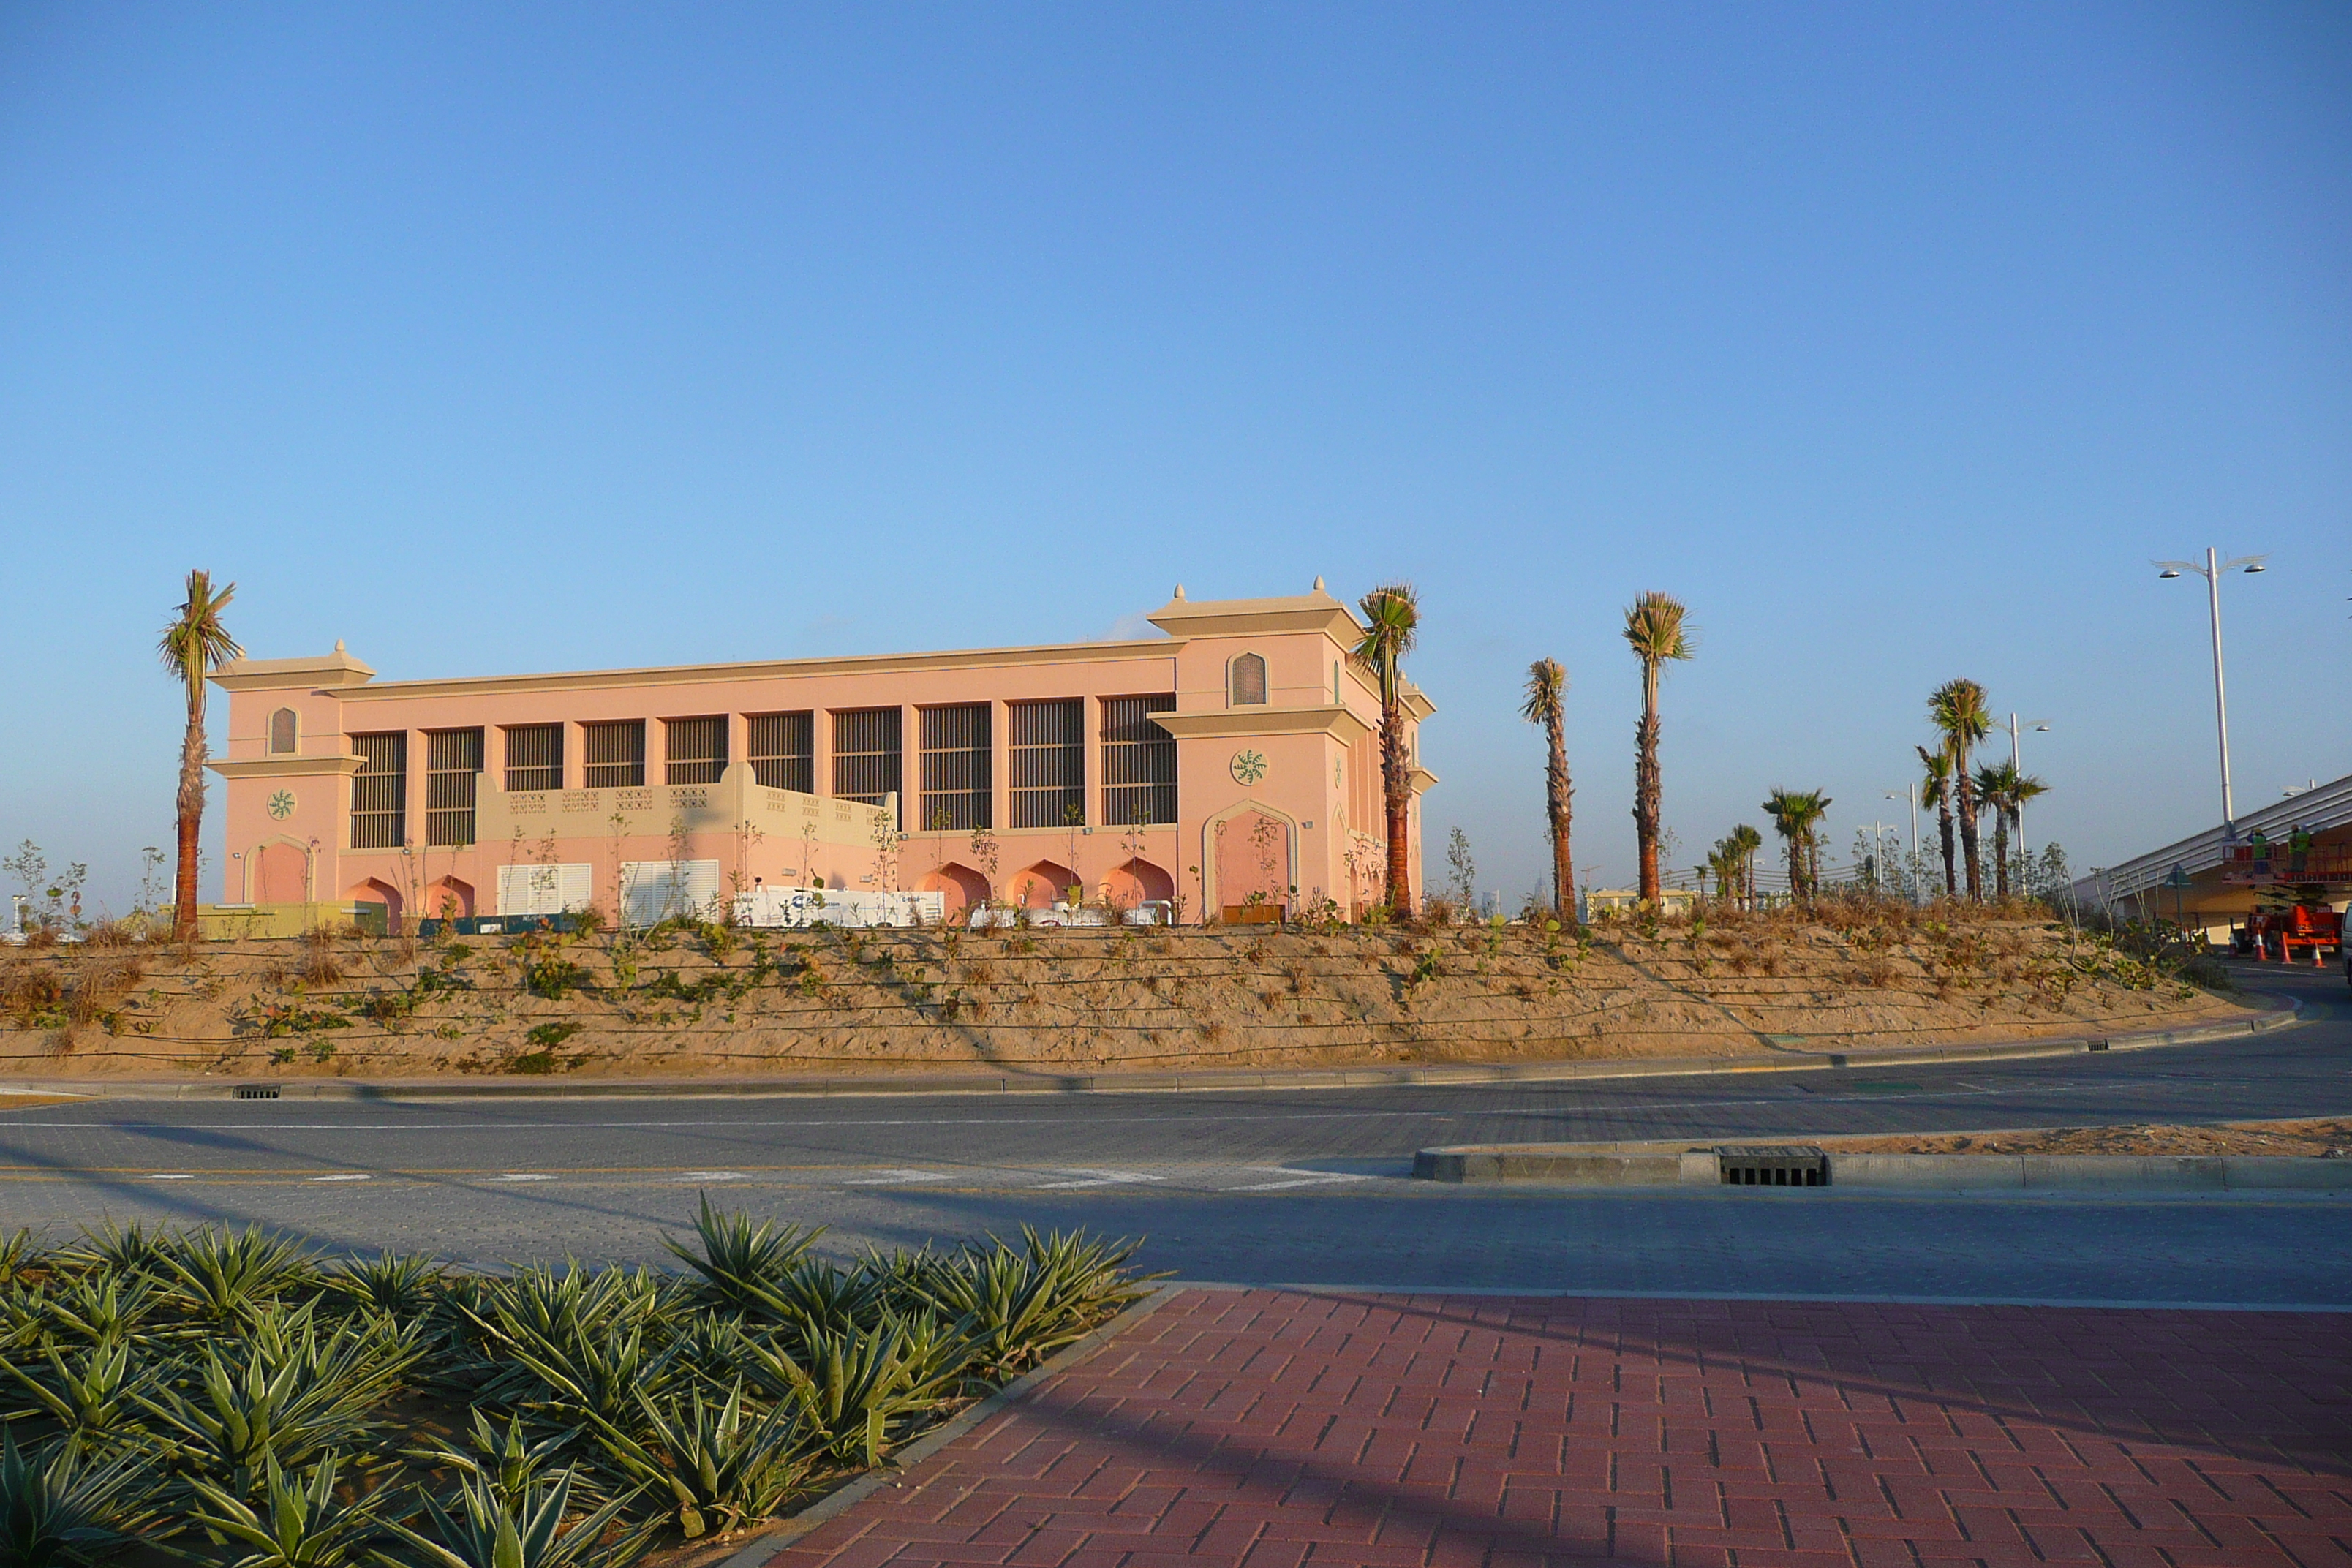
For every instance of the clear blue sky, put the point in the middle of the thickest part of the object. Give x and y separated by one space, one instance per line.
1894 338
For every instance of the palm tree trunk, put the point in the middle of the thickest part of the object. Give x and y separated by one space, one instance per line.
1561 795
1396 795
1951 868
1796 872
2001 853
190 809
1645 784
1970 855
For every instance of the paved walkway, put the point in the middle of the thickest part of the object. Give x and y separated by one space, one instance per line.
1273 1429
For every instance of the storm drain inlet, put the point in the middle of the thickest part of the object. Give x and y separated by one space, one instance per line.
1772 1165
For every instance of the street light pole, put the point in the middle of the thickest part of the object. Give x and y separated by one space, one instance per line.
2211 572
1911 793
2017 766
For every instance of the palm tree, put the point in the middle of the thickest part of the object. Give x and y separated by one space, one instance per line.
1547 684
1654 630
2005 791
194 645
1958 708
1795 814
2022 788
1724 863
1936 790
1746 841
1392 617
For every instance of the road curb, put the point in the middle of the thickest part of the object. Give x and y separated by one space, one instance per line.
1568 1165
763 1548
1783 1059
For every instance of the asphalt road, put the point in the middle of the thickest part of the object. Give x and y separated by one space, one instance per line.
1292 1186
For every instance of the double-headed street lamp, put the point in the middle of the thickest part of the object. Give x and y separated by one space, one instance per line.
2211 572
2017 766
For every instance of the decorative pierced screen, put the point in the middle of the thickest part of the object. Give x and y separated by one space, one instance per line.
783 750
694 750
453 762
379 791
1249 680
956 772
865 745
1049 758
534 756
1139 761
614 753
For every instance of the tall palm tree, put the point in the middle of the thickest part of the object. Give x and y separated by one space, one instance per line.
1795 815
1936 790
2004 791
1391 617
1655 632
195 644
1961 712
1746 841
1547 685
1725 865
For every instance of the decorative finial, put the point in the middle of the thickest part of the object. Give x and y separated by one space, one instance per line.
1318 585
338 642
1180 590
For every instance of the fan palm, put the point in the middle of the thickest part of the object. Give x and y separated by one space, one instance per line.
2004 791
1936 790
195 644
1655 631
1746 840
1795 815
1960 711
1547 685
1391 619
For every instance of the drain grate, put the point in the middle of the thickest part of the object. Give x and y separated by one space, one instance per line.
1772 1165
257 1092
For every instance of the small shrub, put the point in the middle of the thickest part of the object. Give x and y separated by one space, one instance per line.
547 1036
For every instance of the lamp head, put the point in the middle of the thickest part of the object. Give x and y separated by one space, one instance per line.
2041 729
2168 571
2257 566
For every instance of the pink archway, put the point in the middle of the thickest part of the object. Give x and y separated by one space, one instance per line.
281 874
1253 856
1041 884
1137 882
960 886
374 892
448 897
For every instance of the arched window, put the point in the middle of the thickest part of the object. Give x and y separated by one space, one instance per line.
283 732
1246 680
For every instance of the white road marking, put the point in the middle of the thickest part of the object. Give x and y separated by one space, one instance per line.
352 1177
1299 1179
168 1176
1098 1179
522 1176
896 1178
710 1176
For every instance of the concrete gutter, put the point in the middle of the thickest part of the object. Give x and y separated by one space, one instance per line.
1588 1166
1784 1057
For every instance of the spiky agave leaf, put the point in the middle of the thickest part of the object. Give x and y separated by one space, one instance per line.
510 1460
716 1466
111 1248
90 1395
56 1511
738 1261
101 1306
402 1286
291 1522
489 1526
221 1277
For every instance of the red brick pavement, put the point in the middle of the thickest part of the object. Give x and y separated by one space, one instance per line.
1274 1428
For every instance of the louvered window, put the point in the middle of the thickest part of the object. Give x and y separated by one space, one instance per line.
379 791
866 742
783 750
1139 761
694 751
956 774
1248 676
1049 763
453 762
534 756
614 753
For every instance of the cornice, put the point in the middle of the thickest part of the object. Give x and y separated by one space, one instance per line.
1337 723
285 767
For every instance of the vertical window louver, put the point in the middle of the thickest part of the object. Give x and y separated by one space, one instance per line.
453 764
1048 757
534 757
694 751
955 767
1139 762
614 754
379 791
783 750
866 753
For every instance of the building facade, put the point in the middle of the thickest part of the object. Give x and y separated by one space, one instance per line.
1227 767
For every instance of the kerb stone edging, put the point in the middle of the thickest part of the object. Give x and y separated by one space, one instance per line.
760 1549
1571 1165
1783 1059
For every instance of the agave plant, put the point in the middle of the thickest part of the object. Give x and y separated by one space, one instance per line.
402 1286
817 1298
509 1460
719 1466
92 1395
281 1397
489 1526
20 1258
574 1373
221 1278
739 1262
111 1248
291 1523
102 1307
862 1387
1015 1309
58 1511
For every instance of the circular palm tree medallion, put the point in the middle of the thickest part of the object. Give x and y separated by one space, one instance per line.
1249 767
281 805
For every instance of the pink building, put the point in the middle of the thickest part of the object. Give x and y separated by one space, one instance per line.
1233 764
